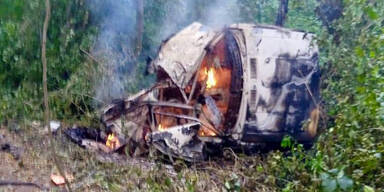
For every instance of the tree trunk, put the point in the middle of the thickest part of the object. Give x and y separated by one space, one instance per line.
139 26
259 12
44 61
45 89
282 13
328 11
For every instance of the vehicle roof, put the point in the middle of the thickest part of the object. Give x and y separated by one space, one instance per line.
180 55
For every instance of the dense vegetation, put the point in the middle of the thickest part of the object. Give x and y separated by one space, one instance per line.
348 154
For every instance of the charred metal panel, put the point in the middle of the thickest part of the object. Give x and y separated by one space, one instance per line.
271 137
253 63
238 35
181 55
282 78
236 89
179 141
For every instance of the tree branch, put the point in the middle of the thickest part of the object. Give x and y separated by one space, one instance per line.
139 26
18 183
45 90
282 13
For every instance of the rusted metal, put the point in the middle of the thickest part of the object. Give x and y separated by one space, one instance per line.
212 112
178 56
169 104
196 76
178 116
179 141
190 118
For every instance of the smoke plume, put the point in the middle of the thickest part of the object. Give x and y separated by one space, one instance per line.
221 13
113 47
115 43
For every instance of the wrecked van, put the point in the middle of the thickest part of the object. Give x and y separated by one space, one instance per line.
244 85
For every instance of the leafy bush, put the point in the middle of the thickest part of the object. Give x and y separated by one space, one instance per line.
20 42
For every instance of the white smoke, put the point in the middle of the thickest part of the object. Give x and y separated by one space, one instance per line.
114 46
222 13
215 14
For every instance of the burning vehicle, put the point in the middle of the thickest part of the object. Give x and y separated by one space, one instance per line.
245 85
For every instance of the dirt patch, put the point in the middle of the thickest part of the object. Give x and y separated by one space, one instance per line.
30 167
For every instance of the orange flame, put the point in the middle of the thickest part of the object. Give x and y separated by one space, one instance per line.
112 141
211 81
205 132
160 128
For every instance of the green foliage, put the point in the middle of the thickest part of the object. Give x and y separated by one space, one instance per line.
260 11
286 142
301 15
20 42
335 179
233 183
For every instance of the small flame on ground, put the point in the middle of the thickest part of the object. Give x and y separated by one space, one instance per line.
160 128
205 132
211 81
112 141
